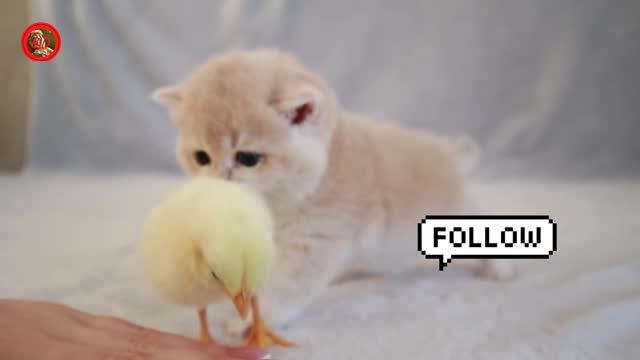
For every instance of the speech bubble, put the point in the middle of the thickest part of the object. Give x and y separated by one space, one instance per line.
483 236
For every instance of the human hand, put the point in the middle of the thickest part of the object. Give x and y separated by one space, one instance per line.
42 330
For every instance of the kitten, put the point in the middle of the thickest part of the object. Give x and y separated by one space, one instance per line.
347 192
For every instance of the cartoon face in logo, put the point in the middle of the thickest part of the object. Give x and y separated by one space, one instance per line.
41 42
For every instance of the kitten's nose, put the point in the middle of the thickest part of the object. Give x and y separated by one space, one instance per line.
227 173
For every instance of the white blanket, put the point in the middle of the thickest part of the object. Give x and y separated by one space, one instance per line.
75 240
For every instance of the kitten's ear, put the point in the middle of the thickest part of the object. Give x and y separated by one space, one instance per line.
300 105
167 96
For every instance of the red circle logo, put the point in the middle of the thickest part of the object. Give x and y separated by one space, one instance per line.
41 42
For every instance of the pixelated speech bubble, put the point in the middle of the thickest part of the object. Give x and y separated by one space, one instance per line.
477 237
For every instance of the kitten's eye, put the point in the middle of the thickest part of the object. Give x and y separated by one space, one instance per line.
202 158
248 159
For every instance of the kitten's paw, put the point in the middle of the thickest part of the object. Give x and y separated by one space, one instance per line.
498 269
236 327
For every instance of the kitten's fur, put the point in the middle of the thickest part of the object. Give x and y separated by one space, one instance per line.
347 192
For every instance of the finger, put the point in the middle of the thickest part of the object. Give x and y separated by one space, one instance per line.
62 350
118 334
170 347
142 338
121 333
247 353
80 317
36 311
196 351
40 317
140 334
110 334
188 354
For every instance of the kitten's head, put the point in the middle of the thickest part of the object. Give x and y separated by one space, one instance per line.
258 117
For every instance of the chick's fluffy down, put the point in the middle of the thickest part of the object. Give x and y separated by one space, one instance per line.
208 226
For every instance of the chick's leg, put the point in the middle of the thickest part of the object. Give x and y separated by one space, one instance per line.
205 335
306 268
260 334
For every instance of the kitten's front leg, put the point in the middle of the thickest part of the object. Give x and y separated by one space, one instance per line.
304 267
495 269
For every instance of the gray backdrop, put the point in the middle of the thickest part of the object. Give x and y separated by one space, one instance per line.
548 87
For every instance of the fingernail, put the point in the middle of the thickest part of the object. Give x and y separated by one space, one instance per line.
249 353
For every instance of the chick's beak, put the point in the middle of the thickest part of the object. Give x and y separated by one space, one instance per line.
242 301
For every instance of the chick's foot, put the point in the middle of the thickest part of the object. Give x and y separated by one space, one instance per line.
259 334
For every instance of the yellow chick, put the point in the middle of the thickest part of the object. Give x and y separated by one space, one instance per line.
209 239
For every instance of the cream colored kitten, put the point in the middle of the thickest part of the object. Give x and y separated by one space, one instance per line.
347 192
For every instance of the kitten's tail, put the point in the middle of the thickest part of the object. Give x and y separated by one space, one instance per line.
466 151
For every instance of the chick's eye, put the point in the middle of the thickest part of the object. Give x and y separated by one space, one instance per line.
248 159
202 158
215 276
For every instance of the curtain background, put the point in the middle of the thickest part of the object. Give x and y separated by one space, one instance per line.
549 88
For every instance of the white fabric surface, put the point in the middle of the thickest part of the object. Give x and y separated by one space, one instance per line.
548 87
75 240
